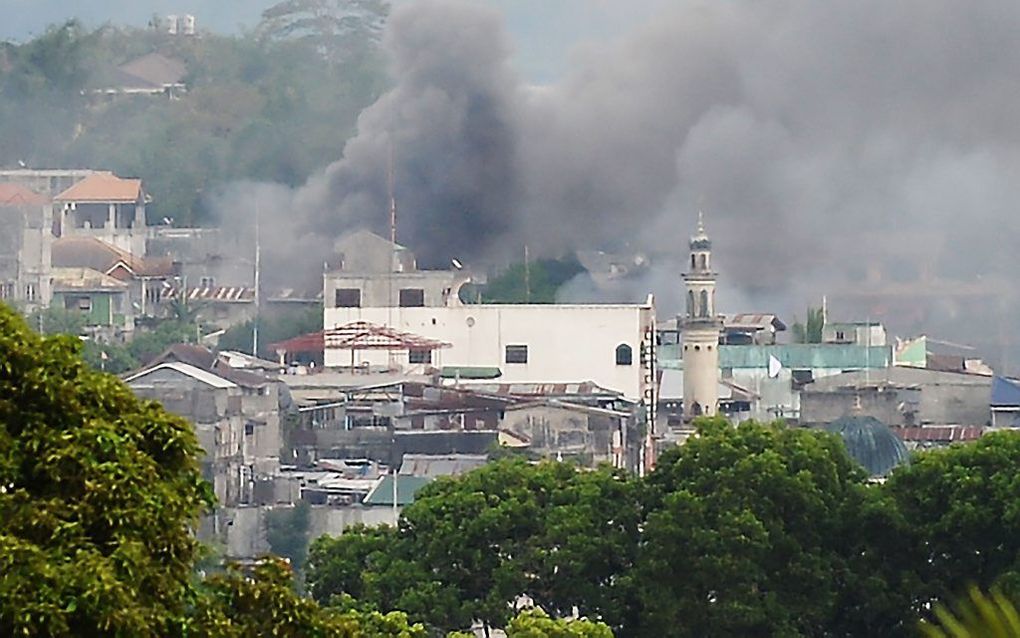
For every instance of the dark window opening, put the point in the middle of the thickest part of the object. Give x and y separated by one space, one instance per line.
517 354
412 298
624 355
419 356
348 298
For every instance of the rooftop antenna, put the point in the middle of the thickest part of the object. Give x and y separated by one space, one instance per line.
391 192
527 277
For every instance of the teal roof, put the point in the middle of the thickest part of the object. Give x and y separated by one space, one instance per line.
407 487
470 372
798 355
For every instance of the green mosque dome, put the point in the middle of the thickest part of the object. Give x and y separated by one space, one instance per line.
871 443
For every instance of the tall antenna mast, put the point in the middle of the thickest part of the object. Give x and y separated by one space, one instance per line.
391 191
258 273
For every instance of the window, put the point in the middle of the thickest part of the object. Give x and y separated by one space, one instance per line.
704 304
85 304
691 311
29 292
412 297
208 282
624 355
6 290
348 298
517 354
419 356
704 261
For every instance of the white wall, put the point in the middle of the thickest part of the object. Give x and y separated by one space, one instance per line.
566 343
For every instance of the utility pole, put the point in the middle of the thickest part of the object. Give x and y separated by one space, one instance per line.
258 269
527 277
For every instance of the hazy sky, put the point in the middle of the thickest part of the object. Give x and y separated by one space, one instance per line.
543 32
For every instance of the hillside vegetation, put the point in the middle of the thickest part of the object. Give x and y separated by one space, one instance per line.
275 104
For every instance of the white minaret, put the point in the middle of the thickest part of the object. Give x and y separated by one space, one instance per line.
701 328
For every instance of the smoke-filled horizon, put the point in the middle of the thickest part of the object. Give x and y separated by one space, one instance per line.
827 143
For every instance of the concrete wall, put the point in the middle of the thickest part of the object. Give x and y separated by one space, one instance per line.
440 287
892 406
244 528
554 430
947 398
566 343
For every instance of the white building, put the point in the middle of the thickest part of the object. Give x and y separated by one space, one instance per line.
612 345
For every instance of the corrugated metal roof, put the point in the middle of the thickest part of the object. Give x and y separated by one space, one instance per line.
807 356
940 433
84 279
1005 392
203 376
441 464
407 488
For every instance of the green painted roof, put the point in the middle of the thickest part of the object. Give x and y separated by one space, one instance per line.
871 443
407 487
798 356
470 372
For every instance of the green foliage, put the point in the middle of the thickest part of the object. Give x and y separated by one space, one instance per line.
469 546
537 284
246 114
148 344
236 604
977 616
98 494
753 518
963 505
537 624
287 533
57 321
811 332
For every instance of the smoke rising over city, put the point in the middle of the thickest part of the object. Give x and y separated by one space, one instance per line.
804 131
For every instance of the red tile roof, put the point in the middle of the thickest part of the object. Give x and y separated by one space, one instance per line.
12 194
103 187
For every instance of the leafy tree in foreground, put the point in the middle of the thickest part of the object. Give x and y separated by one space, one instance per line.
99 494
964 504
468 547
746 533
263 603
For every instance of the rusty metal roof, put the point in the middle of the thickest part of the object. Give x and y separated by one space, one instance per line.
362 335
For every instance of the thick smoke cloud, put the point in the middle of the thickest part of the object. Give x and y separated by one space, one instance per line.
826 142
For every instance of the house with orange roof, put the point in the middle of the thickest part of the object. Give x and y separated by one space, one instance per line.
25 242
148 279
107 207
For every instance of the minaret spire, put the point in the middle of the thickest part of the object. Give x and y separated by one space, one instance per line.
701 329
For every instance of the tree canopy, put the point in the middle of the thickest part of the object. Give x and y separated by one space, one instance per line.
99 494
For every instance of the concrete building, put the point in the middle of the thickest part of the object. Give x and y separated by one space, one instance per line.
26 237
700 330
901 396
213 405
107 207
611 345
861 333
369 271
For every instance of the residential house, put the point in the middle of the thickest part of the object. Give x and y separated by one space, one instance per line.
148 279
149 74
101 299
751 329
560 430
861 333
107 207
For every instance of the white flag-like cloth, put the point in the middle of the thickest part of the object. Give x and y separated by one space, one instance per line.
774 366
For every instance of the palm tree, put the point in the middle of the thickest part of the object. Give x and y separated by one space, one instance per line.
979 615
